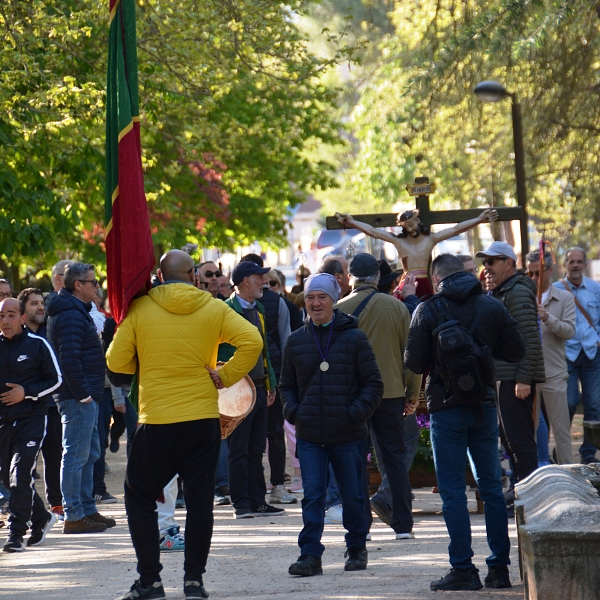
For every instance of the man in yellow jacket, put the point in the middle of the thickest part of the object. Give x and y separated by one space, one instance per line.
171 338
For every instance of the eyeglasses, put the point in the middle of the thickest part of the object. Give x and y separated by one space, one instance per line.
491 261
536 273
94 282
7 295
273 283
209 274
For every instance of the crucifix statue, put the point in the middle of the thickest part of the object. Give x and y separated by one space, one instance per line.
416 241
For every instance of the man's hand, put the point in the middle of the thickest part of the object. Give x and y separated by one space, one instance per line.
522 390
488 216
270 397
121 408
13 396
543 313
409 287
345 219
410 407
214 375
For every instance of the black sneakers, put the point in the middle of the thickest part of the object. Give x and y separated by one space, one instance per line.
382 510
243 513
458 579
357 559
14 543
40 530
497 577
154 591
194 590
306 566
266 510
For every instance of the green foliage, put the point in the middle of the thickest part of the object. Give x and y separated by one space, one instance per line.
229 99
418 115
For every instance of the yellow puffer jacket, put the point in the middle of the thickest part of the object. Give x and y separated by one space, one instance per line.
172 333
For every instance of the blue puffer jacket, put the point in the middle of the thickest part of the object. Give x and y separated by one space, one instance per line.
71 332
333 406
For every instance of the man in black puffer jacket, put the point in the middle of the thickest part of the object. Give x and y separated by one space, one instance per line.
330 385
456 430
73 336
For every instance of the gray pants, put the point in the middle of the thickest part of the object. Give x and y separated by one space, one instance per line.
411 437
554 393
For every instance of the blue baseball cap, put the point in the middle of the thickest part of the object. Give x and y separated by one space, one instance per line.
245 269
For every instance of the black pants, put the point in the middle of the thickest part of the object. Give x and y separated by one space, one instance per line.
517 428
104 413
276 437
20 443
158 453
246 448
387 423
52 453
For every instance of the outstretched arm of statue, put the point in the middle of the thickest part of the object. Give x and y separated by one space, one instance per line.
349 222
487 216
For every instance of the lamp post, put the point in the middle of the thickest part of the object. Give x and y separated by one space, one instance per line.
492 91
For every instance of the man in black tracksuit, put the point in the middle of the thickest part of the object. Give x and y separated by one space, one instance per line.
29 373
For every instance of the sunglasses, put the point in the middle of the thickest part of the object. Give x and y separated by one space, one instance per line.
536 273
210 274
94 282
273 283
491 261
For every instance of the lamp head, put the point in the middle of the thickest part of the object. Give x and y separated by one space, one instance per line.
490 91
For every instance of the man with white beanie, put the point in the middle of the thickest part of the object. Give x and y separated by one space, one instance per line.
330 385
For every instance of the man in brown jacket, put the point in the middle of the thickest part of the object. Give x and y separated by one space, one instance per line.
386 323
517 381
557 315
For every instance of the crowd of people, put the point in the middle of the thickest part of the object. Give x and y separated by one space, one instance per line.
338 367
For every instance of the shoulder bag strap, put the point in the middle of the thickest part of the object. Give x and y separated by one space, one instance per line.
583 311
363 304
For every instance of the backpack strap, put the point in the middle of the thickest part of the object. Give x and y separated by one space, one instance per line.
363 304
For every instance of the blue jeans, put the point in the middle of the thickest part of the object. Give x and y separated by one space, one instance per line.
333 497
588 373
81 449
456 432
131 418
347 462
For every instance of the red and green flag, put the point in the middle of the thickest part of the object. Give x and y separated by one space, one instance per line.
129 251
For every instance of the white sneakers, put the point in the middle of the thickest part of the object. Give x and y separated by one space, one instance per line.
333 515
279 495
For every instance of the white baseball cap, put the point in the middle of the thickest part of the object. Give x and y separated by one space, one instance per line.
498 249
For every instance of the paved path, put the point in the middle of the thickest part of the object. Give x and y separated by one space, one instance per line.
249 559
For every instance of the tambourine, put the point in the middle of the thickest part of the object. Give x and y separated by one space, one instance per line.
235 404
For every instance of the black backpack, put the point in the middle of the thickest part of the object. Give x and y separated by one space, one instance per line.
464 363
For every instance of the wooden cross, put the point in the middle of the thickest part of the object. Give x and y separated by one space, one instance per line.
431 217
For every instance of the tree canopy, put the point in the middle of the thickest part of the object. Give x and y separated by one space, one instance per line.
229 99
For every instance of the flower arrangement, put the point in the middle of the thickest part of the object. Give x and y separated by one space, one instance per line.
424 457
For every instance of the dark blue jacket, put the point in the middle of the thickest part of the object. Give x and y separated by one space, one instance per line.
71 332
333 406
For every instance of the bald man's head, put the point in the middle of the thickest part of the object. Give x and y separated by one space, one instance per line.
10 318
177 265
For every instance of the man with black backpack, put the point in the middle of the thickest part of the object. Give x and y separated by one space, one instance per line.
461 398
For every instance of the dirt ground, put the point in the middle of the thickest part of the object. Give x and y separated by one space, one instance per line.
249 558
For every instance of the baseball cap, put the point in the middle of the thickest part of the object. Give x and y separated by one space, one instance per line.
498 249
363 265
245 269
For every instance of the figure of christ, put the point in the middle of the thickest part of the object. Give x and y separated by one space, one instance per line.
416 241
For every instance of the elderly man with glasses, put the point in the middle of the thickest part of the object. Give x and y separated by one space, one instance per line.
208 279
517 381
73 336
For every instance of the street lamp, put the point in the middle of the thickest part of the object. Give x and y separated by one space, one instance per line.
492 91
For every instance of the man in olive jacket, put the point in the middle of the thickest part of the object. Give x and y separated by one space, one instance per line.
330 385
385 322
516 390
